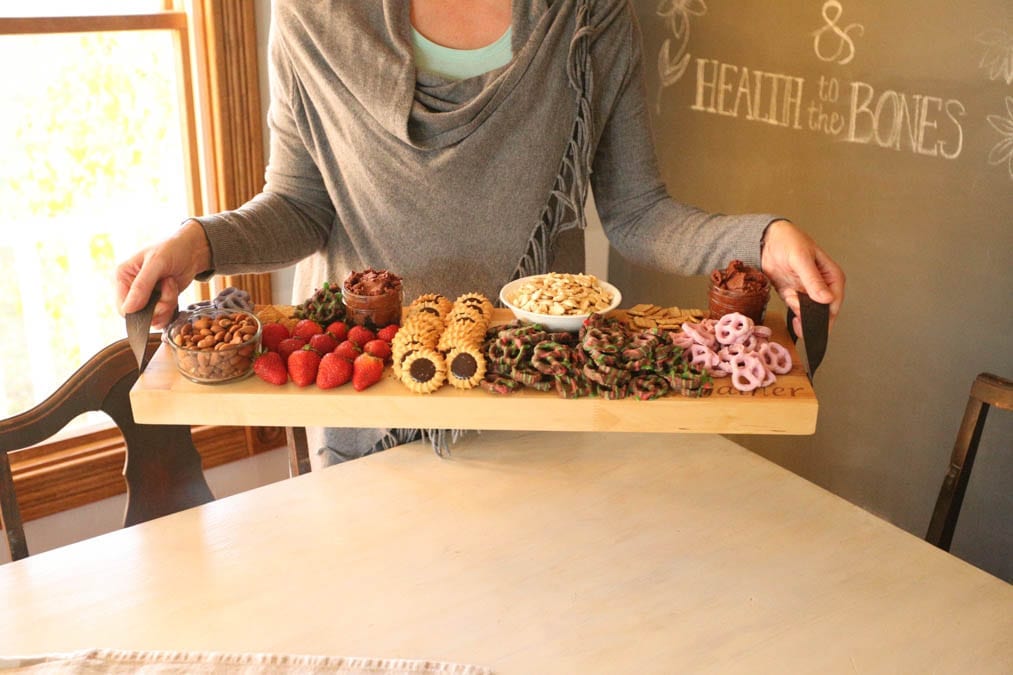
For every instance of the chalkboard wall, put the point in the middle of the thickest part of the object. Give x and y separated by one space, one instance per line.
885 129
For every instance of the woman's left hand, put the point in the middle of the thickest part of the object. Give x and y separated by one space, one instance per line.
793 262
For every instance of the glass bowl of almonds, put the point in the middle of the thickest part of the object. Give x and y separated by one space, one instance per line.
559 301
212 345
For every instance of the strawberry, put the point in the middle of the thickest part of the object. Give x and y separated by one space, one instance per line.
270 367
334 371
347 349
303 366
378 348
324 343
306 328
366 371
290 345
272 333
388 332
360 335
339 329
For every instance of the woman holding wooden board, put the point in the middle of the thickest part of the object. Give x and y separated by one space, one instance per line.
456 144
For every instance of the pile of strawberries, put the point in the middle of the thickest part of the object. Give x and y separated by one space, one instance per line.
328 357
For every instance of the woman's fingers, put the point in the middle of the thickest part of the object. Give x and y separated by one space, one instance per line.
170 266
793 262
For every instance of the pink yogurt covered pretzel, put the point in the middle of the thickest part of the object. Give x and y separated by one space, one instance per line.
703 357
732 328
701 333
750 375
776 357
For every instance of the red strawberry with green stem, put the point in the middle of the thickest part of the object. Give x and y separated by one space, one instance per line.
388 332
378 348
307 328
348 349
290 345
360 335
366 371
303 366
339 329
272 333
334 371
323 343
270 367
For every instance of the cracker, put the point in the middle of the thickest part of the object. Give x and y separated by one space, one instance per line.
276 314
645 316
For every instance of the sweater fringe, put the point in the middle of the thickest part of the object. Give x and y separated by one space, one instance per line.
564 208
441 440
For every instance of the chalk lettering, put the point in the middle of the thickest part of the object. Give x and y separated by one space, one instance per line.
725 86
925 122
755 95
900 121
830 123
744 94
793 99
832 11
829 89
855 112
706 85
954 108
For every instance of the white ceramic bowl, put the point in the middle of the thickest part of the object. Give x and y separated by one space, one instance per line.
553 322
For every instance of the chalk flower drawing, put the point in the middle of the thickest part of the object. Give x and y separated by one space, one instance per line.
1003 150
998 57
672 61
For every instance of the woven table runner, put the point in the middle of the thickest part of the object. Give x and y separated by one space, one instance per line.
117 662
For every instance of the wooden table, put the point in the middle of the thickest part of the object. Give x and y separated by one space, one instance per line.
530 552
163 396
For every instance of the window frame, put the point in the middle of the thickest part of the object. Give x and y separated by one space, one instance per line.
177 22
217 71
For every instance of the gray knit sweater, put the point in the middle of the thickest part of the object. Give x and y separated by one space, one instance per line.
460 186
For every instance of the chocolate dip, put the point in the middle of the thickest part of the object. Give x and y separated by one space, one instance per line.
373 298
739 276
372 282
738 288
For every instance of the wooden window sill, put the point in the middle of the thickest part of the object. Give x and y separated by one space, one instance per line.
68 474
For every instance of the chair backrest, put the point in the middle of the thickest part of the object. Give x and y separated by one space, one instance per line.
986 391
162 470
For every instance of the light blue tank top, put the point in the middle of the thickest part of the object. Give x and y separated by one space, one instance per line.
460 64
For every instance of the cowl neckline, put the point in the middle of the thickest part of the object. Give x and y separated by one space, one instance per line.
433 112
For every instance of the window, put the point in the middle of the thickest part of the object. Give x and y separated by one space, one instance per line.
112 131
96 165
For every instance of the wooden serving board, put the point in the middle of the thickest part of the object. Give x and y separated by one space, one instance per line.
163 396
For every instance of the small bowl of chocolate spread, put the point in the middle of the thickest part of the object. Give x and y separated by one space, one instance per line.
373 298
738 288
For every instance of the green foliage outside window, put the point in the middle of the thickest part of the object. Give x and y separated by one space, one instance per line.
92 170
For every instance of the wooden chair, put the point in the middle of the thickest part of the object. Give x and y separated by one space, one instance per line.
987 390
162 469
298 451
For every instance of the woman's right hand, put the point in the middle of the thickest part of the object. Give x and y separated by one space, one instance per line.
170 265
